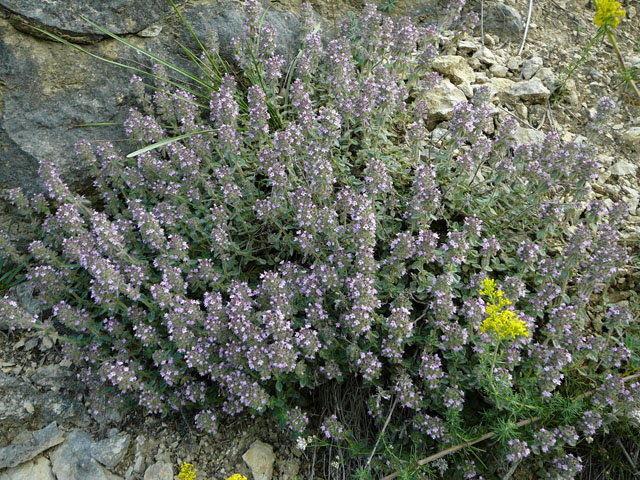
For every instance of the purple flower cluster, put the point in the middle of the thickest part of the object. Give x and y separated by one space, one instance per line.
316 236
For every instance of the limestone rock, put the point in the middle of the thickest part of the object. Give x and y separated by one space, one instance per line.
65 18
486 56
55 376
110 451
289 470
623 168
260 460
499 85
441 101
14 393
530 67
525 136
21 402
632 136
74 459
548 77
71 85
468 46
159 471
514 63
38 469
528 91
503 20
499 71
23 451
455 68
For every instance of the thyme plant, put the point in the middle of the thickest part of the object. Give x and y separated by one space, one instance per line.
301 234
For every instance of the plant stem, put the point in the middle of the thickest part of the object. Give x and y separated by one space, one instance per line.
488 435
460 446
623 67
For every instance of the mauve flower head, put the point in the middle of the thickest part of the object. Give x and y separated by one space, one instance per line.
320 238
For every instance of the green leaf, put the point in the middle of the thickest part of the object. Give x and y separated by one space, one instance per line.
167 141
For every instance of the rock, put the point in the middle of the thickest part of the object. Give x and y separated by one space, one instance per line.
499 71
571 95
632 136
525 136
38 469
149 32
60 407
23 451
486 56
528 91
260 460
623 168
441 101
503 20
632 198
74 459
530 67
21 402
548 77
468 46
439 134
467 89
289 470
110 451
514 63
55 376
455 68
159 471
13 395
71 85
499 85
65 19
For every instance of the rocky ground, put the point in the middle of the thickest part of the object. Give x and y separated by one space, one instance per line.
46 432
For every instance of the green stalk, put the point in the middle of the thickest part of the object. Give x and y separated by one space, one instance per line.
628 80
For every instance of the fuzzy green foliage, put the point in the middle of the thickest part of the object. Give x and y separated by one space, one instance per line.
304 235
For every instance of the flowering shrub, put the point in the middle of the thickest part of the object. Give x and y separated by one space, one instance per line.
304 235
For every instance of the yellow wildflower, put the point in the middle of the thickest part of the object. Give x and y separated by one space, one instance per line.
187 472
608 12
503 322
237 476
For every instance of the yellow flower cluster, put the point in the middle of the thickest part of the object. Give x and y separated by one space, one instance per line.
237 476
500 320
608 12
187 472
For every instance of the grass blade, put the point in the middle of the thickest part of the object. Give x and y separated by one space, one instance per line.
122 65
167 141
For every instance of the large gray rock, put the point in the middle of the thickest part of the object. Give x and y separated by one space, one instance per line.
55 377
65 18
25 450
76 459
21 402
260 460
441 102
455 68
527 91
110 451
503 20
48 89
159 471
38 469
